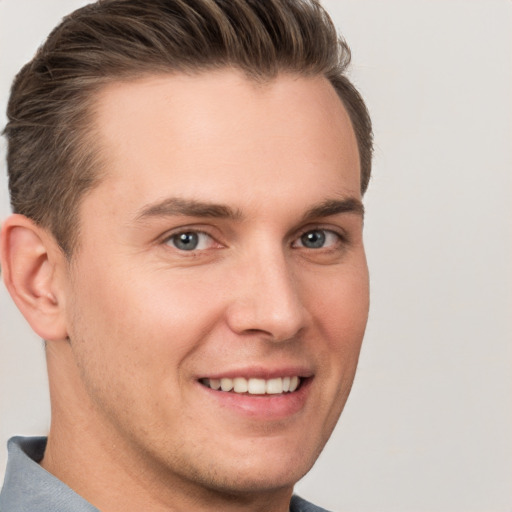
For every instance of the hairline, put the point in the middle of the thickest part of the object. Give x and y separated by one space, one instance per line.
93 93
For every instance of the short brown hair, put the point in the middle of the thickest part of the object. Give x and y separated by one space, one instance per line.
51 158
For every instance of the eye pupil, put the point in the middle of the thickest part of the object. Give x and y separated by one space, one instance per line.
186 241
313 239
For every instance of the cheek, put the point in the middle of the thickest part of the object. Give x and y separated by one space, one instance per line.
130 339
341 305
341 313
149 320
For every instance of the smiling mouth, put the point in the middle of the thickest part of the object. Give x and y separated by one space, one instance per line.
254 386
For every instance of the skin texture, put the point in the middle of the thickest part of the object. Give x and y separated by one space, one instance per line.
132 426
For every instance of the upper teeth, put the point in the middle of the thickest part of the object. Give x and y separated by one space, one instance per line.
254 386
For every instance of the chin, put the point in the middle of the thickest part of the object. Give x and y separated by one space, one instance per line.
254 483
267 472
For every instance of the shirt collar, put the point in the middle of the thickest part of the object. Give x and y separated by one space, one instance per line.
27 486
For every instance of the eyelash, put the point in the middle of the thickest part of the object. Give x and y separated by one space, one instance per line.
174 236
341 239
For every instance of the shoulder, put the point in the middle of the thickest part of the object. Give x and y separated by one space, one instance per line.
298 504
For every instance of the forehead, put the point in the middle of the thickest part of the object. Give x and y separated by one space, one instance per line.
195 133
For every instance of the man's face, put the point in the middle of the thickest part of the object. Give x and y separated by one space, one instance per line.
223 246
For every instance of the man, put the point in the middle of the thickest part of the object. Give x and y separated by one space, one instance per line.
187 180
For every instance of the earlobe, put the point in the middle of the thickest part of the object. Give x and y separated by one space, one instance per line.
31 262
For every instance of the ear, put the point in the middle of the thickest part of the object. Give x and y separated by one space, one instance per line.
32 267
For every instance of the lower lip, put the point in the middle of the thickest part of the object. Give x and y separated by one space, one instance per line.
264 407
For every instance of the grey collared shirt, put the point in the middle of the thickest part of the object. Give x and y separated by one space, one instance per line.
30 488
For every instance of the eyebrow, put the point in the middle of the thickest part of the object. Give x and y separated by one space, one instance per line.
187 207
174 206
335 207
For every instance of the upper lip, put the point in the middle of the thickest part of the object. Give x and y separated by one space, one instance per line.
260 372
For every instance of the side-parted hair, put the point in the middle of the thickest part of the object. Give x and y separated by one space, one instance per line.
53 157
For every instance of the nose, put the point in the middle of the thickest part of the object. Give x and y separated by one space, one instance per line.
266 299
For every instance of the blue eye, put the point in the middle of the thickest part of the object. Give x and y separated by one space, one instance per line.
313 239
185 241
190 241
318 239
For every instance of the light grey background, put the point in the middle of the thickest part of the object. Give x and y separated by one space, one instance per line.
429 424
